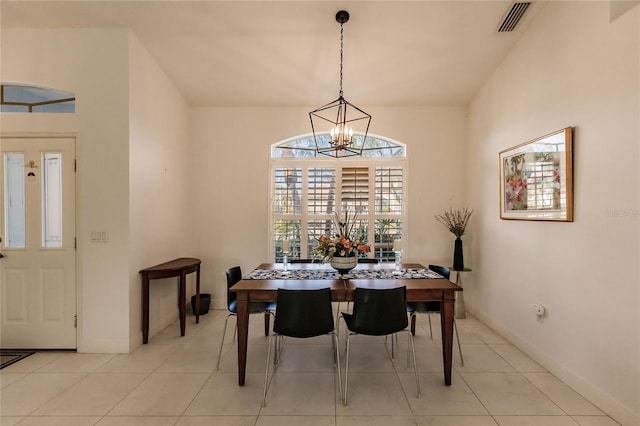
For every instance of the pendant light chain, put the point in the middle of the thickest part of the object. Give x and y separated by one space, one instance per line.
340 142
341 47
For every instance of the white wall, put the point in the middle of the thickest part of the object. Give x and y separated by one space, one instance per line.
572 68
231 180
93 64
161 200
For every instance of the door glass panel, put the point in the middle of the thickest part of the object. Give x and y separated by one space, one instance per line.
52 200
14 213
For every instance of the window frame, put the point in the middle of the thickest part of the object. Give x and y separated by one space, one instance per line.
305 163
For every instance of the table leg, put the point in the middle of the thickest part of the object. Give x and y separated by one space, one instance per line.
145 309
446 321
197 307
242 308
182 302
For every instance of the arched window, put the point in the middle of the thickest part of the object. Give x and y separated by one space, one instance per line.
306 191
22 98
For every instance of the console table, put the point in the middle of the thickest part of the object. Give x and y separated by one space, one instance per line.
180 267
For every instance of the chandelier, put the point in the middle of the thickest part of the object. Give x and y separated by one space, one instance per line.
341 116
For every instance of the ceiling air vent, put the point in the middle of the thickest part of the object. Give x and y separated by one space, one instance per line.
513 16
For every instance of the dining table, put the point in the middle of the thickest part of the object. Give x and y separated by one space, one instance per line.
422 285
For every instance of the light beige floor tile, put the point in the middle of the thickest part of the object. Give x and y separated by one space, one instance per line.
379 420
569 400
33 362
8 378
30 393
256 358
218 421
428 357
510 394
161 395
76 363
466 335
481 358
486 334
439 399
171 381
138 421
191 359
171 334
595 421
296 420
301 394
221 396
96 394
368 353
59 421
535 421
305 357
455 421
372 393
517 359
144 359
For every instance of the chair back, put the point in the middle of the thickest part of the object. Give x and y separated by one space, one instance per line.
303 261
442 270
233 276
303 313
378 312
368 260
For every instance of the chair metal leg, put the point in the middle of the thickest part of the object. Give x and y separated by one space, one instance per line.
346 372
415 364
224 331
266 372
336 354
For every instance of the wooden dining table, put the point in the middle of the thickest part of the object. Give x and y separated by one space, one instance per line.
342 288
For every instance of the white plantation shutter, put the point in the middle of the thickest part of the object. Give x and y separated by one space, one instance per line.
354 189
321 190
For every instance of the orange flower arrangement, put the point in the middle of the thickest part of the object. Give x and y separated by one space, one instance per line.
342 244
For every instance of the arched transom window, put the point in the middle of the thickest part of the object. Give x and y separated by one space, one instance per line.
22 98
306 191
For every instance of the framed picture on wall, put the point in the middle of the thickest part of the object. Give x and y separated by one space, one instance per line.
536 179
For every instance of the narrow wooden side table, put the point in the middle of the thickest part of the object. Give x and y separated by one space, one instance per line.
175 268
460 310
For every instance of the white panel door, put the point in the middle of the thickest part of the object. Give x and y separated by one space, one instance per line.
38 267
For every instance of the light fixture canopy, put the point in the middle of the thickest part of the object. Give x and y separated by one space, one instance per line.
341 115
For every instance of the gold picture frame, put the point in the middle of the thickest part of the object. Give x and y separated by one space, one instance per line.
536 179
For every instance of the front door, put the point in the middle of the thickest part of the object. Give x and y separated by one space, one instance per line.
38 267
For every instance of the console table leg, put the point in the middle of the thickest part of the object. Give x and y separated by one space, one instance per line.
182 304
145 309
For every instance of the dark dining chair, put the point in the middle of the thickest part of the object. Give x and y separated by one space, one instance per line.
304 261
267 308
379 312
429 308
302 314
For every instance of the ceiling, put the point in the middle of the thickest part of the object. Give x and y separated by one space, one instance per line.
287 53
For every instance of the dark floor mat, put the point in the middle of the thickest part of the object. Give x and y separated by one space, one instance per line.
11 356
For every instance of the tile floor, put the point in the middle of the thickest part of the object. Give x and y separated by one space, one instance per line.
171 381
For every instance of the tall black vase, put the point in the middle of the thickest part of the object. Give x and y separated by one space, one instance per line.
458 257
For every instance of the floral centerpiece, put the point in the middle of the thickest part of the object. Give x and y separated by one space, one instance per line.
456 222
343 244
